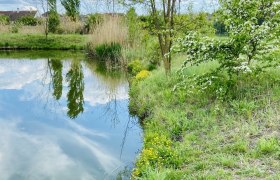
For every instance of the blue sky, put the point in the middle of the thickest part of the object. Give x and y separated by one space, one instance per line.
89 6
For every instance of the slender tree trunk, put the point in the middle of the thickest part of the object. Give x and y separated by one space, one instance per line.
164 33
47 21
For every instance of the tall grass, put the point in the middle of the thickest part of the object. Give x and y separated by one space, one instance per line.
112 30
67 26
39 29
108 38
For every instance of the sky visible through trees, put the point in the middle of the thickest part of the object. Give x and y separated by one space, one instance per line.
92 6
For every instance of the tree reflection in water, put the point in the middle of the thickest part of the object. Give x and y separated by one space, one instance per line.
57 78
113 77
75 97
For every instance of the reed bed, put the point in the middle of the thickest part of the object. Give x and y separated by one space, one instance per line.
112 30
67 26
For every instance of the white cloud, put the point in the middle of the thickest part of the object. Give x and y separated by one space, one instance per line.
84 131
29 8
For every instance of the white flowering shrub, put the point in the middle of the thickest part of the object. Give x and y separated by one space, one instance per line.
253 29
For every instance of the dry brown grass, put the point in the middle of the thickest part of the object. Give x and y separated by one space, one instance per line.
39 29
112 30
4 28
70 27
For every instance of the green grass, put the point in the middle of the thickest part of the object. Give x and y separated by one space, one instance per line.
39 41
110 51
200 137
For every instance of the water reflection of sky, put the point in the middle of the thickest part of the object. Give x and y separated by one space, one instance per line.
39 141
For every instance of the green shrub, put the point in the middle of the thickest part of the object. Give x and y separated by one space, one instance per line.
142 75
4 20
135 67
108 51
28 21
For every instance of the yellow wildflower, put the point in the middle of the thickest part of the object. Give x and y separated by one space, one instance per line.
142 74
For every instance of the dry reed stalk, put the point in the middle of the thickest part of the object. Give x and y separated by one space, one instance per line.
112 30
67 26
39 29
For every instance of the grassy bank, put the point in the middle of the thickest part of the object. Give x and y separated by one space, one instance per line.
201 137
39 41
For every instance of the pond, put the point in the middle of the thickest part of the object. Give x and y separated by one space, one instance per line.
64 117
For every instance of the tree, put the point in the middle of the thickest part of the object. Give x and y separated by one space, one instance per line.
53 16
162 20
53 21
45 8
72 8
133 26
164 31
253 28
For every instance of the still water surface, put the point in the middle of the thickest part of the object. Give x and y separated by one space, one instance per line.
62 117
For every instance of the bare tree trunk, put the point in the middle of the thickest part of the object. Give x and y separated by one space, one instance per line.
47 15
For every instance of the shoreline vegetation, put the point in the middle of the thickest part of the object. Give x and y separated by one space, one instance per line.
200 137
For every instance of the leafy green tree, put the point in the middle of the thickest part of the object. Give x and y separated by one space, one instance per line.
72 8
252 26
53 17
133 26
75 78
53 21
52 5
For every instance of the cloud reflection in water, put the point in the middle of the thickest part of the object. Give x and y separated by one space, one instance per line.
43 143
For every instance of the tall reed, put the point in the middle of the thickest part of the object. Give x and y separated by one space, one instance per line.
67 26
112 30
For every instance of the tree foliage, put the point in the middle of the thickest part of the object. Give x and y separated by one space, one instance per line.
53 21
133 26
72 8
53 17
52 4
